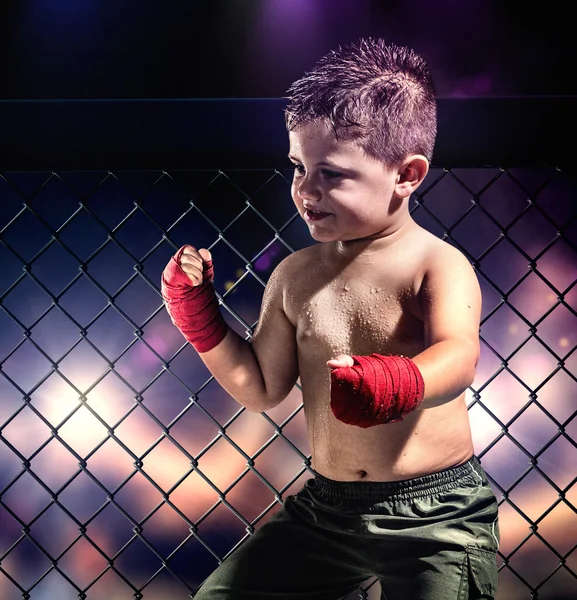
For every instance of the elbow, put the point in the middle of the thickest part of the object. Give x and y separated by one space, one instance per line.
460 363
464 373
468 378
265 398
471 355
262 404
271 394
254 396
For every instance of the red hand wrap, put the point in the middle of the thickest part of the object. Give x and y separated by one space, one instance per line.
375 390
193 309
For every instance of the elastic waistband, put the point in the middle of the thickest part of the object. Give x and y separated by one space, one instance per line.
382 491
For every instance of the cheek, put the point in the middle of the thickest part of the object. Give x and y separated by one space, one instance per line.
351 210
296 198
361 212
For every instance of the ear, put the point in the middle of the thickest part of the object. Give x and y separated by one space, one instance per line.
410 175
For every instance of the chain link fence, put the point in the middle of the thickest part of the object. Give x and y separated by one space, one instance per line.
127 472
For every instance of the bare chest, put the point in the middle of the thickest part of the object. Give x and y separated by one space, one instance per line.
356 316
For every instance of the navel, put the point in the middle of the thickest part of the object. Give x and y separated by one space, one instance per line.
361 474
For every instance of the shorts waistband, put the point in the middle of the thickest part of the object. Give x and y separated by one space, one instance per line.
382 491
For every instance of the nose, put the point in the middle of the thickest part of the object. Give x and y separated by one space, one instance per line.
307 188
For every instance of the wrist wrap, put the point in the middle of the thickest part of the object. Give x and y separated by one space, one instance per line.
193 309
375 390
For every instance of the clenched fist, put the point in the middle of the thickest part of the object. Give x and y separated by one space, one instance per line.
190 300
194 263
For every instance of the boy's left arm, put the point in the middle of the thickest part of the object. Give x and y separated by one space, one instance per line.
376 389
451 301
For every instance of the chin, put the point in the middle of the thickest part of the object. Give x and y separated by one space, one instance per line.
320 236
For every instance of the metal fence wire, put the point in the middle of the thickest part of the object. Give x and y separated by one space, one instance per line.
127 472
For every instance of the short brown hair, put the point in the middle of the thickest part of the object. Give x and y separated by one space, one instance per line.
379 94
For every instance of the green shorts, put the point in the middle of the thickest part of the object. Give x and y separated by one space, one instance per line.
430 538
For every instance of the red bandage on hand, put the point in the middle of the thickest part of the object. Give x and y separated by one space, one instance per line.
375 390
193 309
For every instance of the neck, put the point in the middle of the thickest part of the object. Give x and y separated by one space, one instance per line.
375 242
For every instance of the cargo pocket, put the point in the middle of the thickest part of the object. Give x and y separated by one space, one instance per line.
480 575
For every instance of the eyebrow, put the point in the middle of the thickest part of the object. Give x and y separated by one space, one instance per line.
320 164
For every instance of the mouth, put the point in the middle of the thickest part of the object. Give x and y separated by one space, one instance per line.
315 215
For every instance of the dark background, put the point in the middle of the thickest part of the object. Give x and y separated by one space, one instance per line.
256 48
82 252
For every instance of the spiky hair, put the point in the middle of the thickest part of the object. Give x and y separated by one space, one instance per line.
379 94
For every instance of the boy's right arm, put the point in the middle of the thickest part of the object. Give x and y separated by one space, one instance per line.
258 375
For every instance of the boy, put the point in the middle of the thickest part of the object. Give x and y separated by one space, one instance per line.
380 320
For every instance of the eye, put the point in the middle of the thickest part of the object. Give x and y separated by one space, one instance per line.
328 174
298 168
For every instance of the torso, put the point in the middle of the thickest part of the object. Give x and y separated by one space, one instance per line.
359 306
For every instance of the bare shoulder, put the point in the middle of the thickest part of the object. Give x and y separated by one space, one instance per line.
446 278
301 258
291 268
439 254
450 293
289 272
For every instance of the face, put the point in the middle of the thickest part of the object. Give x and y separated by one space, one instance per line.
341 193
